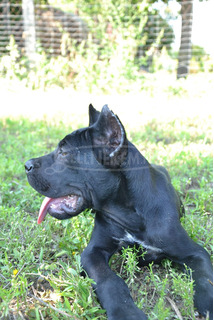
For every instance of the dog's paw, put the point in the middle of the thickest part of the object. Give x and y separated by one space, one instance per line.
203 299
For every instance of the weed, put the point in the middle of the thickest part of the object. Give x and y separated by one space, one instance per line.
130 263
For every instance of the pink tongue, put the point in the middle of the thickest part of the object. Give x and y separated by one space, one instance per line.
44 209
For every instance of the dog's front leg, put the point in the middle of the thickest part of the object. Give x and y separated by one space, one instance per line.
111 290
183 250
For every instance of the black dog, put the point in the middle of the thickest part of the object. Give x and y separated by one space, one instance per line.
135 203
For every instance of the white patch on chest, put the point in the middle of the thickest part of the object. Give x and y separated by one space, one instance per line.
132 239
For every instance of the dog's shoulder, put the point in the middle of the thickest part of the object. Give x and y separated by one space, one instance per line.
163 176
162 171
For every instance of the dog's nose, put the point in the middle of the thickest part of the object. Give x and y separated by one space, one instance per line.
29 166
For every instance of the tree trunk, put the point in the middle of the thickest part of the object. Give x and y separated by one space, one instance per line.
185 50
29 28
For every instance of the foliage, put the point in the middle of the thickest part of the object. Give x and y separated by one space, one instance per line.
84 71
41 264
200 61
89 70
109 21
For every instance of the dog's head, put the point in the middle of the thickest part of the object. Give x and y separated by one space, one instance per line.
83 168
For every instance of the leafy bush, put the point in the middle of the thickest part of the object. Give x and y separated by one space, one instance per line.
201 61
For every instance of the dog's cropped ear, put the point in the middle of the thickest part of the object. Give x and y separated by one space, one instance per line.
109 139
93 115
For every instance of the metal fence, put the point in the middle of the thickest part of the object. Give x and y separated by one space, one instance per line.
49 23
46 26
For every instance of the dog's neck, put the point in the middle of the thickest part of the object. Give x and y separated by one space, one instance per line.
129 212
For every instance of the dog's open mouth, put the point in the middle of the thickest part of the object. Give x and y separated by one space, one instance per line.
59 207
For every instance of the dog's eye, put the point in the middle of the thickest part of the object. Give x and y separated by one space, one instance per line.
63 153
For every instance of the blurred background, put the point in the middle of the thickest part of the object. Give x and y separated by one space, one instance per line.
147 48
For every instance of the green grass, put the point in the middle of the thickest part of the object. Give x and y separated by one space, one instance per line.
40 264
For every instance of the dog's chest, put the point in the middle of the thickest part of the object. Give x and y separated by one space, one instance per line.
128 238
